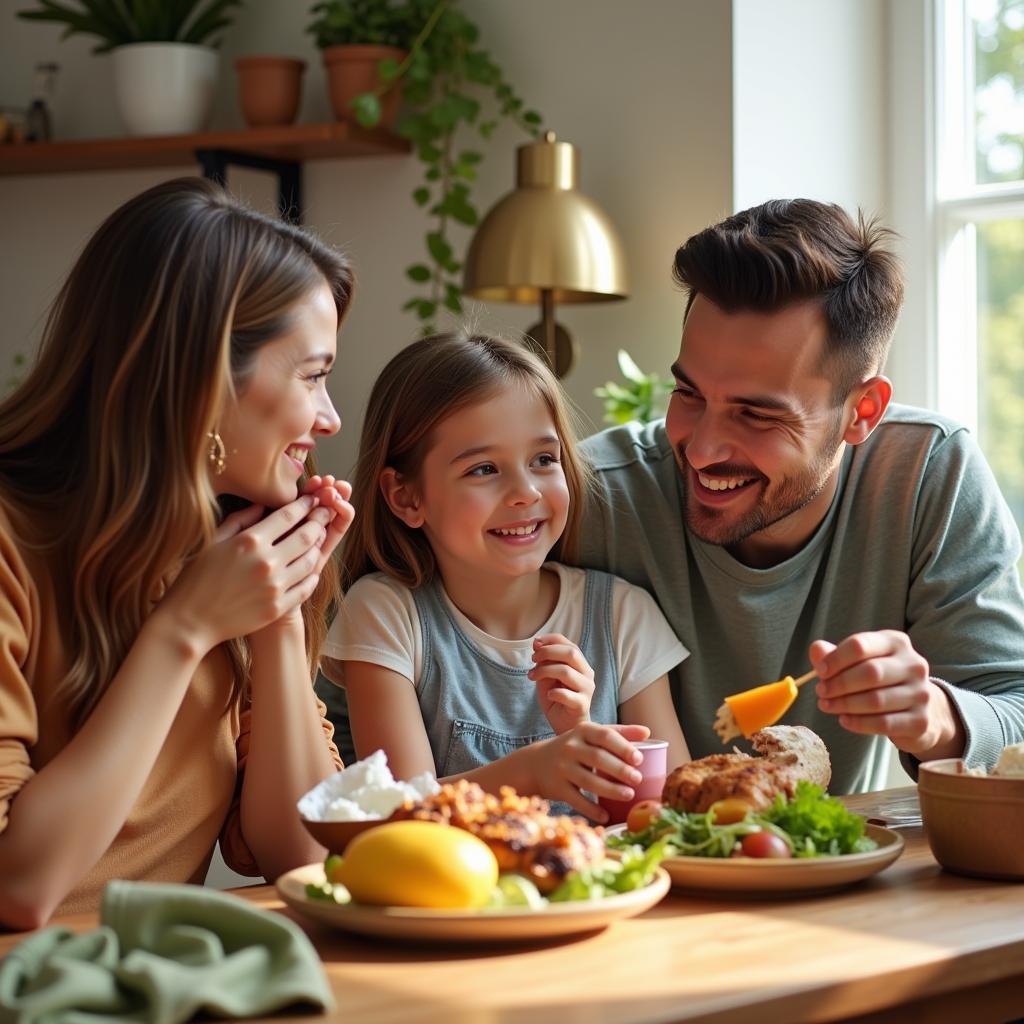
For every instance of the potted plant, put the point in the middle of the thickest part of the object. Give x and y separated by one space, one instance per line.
641 398
362 43
441 74
165 63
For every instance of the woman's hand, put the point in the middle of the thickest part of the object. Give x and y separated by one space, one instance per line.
565 682
332 495
253 574
600 759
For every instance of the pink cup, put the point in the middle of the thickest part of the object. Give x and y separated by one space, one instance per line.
654 767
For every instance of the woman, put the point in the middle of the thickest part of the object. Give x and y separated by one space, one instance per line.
155 655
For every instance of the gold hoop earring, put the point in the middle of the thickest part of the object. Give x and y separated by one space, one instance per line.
216 455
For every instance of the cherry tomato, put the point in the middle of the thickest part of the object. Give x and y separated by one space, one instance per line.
765 844
729 811
643 815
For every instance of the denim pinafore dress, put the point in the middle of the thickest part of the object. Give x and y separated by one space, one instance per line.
477 710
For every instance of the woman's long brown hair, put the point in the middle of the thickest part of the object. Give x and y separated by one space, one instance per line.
104 447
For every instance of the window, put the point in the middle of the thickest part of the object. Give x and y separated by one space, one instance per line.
979 197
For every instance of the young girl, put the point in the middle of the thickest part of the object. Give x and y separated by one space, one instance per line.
461 649
156 657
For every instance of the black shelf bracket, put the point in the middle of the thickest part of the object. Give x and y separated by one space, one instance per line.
215 163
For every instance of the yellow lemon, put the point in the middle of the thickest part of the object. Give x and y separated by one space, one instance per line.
418 864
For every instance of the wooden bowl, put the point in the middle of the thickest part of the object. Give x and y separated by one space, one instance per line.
974 824
336 835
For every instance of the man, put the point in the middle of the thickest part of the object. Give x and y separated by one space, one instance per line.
785 513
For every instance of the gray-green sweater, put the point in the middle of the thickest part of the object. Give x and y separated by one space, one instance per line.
918 538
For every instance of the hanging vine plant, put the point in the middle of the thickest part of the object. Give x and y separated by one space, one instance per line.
443 77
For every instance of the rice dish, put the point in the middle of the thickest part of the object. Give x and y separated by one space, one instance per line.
366 791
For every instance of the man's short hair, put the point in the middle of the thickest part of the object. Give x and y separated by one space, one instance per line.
794 250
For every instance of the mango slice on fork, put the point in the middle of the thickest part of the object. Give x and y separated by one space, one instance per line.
747 712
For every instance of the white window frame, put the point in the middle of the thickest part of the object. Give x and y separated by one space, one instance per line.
960 204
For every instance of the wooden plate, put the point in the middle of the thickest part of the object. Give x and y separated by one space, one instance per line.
512 924
796 877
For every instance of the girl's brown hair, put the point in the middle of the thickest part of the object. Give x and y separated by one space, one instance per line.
104 447
421 386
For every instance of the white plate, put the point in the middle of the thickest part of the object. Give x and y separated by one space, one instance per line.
507 925
798 876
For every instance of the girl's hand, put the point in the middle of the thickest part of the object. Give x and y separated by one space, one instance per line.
333 496
565 682
253 574
600 759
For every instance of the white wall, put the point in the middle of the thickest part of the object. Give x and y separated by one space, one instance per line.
809 95
826 102
912 362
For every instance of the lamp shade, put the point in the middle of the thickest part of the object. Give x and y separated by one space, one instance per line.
546 237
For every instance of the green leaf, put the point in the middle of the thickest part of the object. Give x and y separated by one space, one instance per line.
463 212
628 368
531 117
439 248
418 272
421 196
446 114
425 309
388 69
367 109
453 298
619 393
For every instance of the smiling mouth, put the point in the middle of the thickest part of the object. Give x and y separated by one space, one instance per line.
731 483
516 531
297 453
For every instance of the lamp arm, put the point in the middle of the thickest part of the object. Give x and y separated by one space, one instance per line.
547 320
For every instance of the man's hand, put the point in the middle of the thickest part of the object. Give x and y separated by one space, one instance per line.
879 685
565 682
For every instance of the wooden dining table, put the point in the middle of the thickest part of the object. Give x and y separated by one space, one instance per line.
911 944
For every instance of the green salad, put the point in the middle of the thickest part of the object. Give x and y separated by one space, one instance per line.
811 824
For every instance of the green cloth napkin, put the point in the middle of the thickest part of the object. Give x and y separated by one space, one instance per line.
162 954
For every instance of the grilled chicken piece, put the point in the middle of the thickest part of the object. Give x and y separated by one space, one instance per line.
790 753
754 780
524 837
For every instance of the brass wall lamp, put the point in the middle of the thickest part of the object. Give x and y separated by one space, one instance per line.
544 243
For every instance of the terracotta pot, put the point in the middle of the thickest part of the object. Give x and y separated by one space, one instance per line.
269 89
352 70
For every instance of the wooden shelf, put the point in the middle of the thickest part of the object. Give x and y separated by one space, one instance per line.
299 142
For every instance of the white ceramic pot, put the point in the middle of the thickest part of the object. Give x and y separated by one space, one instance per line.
164 88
